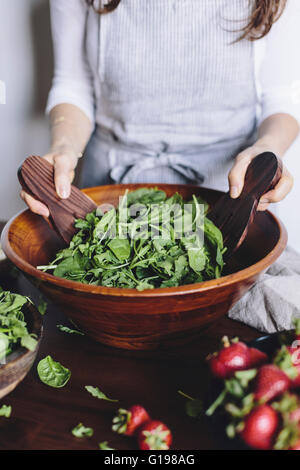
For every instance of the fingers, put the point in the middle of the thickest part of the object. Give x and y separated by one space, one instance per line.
237 174
279 192
64 166
35 206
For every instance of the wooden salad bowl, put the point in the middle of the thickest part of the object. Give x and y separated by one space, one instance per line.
19 362
151 319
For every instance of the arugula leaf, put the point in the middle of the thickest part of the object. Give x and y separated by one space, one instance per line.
66 329
53 373
5 411
95 392
81 431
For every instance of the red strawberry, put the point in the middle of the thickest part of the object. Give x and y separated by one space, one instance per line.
260 427
256 358
270 382
154 435
233 357
128 421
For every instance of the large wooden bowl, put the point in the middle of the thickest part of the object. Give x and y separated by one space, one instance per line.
129 319
19 362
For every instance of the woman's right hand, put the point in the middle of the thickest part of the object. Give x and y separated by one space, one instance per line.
64 162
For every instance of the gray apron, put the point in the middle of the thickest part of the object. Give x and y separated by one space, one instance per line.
175 95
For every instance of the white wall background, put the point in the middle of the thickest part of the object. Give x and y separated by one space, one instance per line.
26 67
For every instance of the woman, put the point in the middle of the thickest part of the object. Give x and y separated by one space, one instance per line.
176 91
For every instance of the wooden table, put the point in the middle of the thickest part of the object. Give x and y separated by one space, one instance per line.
43 417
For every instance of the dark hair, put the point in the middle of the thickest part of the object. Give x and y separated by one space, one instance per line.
264 14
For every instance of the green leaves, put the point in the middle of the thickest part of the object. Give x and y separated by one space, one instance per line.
42 307
120 248
5 411
53 373
13 327
95 392
81 431
161 242
66 329
104 446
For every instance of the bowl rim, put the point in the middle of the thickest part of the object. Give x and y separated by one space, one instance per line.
21 352
204 286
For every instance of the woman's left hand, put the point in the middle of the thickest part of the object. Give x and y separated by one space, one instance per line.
237 174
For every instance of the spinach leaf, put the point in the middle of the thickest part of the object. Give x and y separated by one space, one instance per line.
5 411
104 446
81 431
95 392
66 329
53 373
120 248
42 307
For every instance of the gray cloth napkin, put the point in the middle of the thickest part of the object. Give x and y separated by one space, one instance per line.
274 301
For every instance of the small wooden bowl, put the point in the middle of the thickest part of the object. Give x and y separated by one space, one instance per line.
126 318
19 362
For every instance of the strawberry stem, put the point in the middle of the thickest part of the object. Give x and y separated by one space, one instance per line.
186 396
218 402
225 341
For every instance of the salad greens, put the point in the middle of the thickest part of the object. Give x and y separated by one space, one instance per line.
95 392
13 327
53 373
5 411
81 431
149 241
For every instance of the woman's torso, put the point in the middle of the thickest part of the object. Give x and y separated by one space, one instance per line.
169 72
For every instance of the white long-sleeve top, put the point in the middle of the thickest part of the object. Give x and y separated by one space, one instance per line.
276 61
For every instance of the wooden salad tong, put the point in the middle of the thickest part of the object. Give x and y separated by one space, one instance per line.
231 216
234 216
36 177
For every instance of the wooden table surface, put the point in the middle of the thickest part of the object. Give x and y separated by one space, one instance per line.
43 417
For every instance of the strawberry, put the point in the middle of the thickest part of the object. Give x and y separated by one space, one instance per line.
128 421
233 357
270 382
256 358
260 428
154 435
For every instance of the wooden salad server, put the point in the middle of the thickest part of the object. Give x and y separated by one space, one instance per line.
234 216
36 177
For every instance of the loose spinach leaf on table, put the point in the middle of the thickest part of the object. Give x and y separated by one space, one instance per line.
104 446
164 242
53 373
5 411
66 329
81 431
95 392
